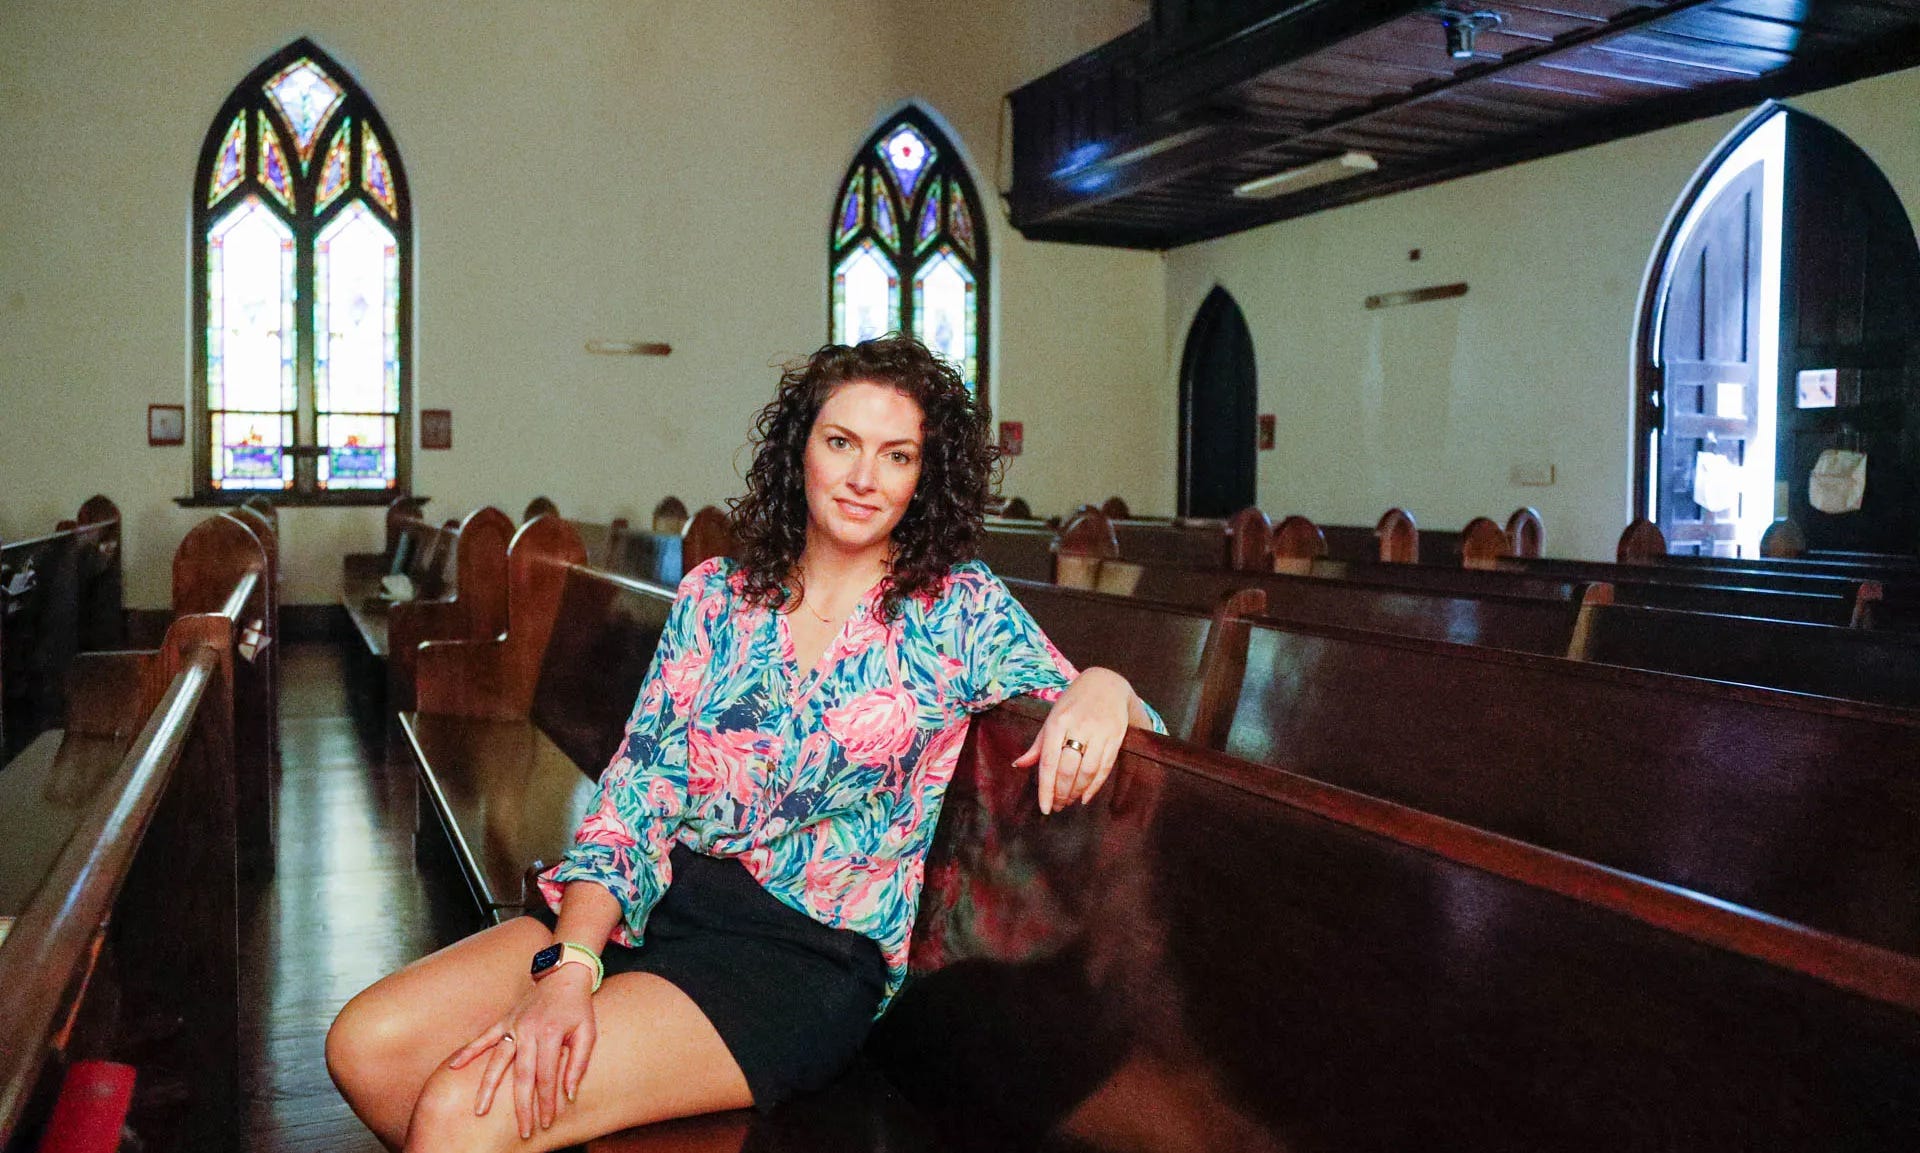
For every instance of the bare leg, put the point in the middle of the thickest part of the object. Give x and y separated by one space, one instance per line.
657 1057
391 1042
390 1038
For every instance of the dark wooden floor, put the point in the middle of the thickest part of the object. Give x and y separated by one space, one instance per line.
346 905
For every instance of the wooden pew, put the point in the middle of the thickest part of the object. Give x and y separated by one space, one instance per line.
120 881
537 507
1215 955
1192 543
361 573
603 542
1797 806
511 732
60 595
474 605
1023 550
1853 664
1220 956
1185 662
1540 623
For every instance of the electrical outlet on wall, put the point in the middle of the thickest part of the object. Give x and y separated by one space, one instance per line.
1530 475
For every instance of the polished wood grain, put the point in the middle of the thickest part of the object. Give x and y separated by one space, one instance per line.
707 534
1249 540
475 605
347 904
1214 955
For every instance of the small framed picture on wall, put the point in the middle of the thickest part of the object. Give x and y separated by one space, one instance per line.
436 428
166 424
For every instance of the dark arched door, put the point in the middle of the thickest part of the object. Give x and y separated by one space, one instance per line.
1219 392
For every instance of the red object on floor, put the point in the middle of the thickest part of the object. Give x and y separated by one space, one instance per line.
91 1109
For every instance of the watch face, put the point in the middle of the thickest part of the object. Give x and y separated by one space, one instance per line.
545 959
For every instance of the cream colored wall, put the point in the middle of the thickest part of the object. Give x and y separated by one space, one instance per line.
658 171
1081 351
1429 405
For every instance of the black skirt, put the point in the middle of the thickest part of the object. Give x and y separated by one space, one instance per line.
791 997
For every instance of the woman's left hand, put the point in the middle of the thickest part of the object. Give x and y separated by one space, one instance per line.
1093 712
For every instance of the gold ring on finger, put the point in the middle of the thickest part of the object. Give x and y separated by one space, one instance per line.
1077 746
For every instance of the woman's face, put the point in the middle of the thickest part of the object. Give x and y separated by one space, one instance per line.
862 463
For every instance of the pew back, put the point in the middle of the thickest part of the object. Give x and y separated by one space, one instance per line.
1804 808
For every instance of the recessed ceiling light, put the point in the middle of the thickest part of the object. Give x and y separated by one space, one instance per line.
1342 167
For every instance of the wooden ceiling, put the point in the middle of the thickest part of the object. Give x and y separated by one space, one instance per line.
1141 142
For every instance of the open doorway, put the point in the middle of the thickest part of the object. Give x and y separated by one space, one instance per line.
1219 392
1778 341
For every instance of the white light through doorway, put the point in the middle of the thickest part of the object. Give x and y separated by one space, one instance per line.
1767 147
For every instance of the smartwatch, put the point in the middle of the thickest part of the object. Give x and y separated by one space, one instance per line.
549 959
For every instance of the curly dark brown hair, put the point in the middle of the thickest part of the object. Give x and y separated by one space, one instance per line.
958 466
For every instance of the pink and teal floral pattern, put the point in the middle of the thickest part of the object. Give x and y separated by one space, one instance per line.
825 784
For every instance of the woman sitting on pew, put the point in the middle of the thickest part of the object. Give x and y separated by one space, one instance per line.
736 908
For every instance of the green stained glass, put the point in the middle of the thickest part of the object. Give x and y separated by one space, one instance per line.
230 163
273 164
909 155
943 311
304 96
866 295
356 314
928 230
251 338
959 219
335 175
851 203
883 219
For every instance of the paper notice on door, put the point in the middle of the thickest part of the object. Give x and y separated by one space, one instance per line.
1839 481
1716 482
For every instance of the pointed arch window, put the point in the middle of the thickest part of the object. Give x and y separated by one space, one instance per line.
905 248
303 258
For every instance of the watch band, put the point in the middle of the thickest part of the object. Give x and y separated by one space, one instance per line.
568 953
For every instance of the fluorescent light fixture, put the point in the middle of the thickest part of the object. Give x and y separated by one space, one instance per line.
1347 164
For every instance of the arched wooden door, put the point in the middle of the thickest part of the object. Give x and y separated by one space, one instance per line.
1709 357
1219 391
1850 303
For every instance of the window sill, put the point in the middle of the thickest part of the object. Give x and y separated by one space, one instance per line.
368 499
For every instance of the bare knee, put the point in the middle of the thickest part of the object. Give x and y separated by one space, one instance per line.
443 1117
374 1062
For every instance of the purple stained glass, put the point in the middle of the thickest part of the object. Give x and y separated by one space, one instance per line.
929 227
883 221
909 155
334 174
375 175
230 164
273 164
304 96
959 219
247 450
360 451
850 205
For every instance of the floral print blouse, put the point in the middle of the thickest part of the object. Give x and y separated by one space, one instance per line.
825 783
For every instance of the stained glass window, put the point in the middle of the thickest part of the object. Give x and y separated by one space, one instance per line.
378 178
302 271
907 181
928 230
336 170
305 96
230 163
883 221
273 163
866 296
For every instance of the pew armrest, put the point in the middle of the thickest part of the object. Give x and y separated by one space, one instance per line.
469 679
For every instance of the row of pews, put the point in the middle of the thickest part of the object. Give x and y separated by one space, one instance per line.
60 595
131 825
1382 887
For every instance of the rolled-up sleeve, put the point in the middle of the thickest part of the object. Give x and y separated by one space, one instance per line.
623 843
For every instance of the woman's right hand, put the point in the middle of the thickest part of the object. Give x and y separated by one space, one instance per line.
546 1040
